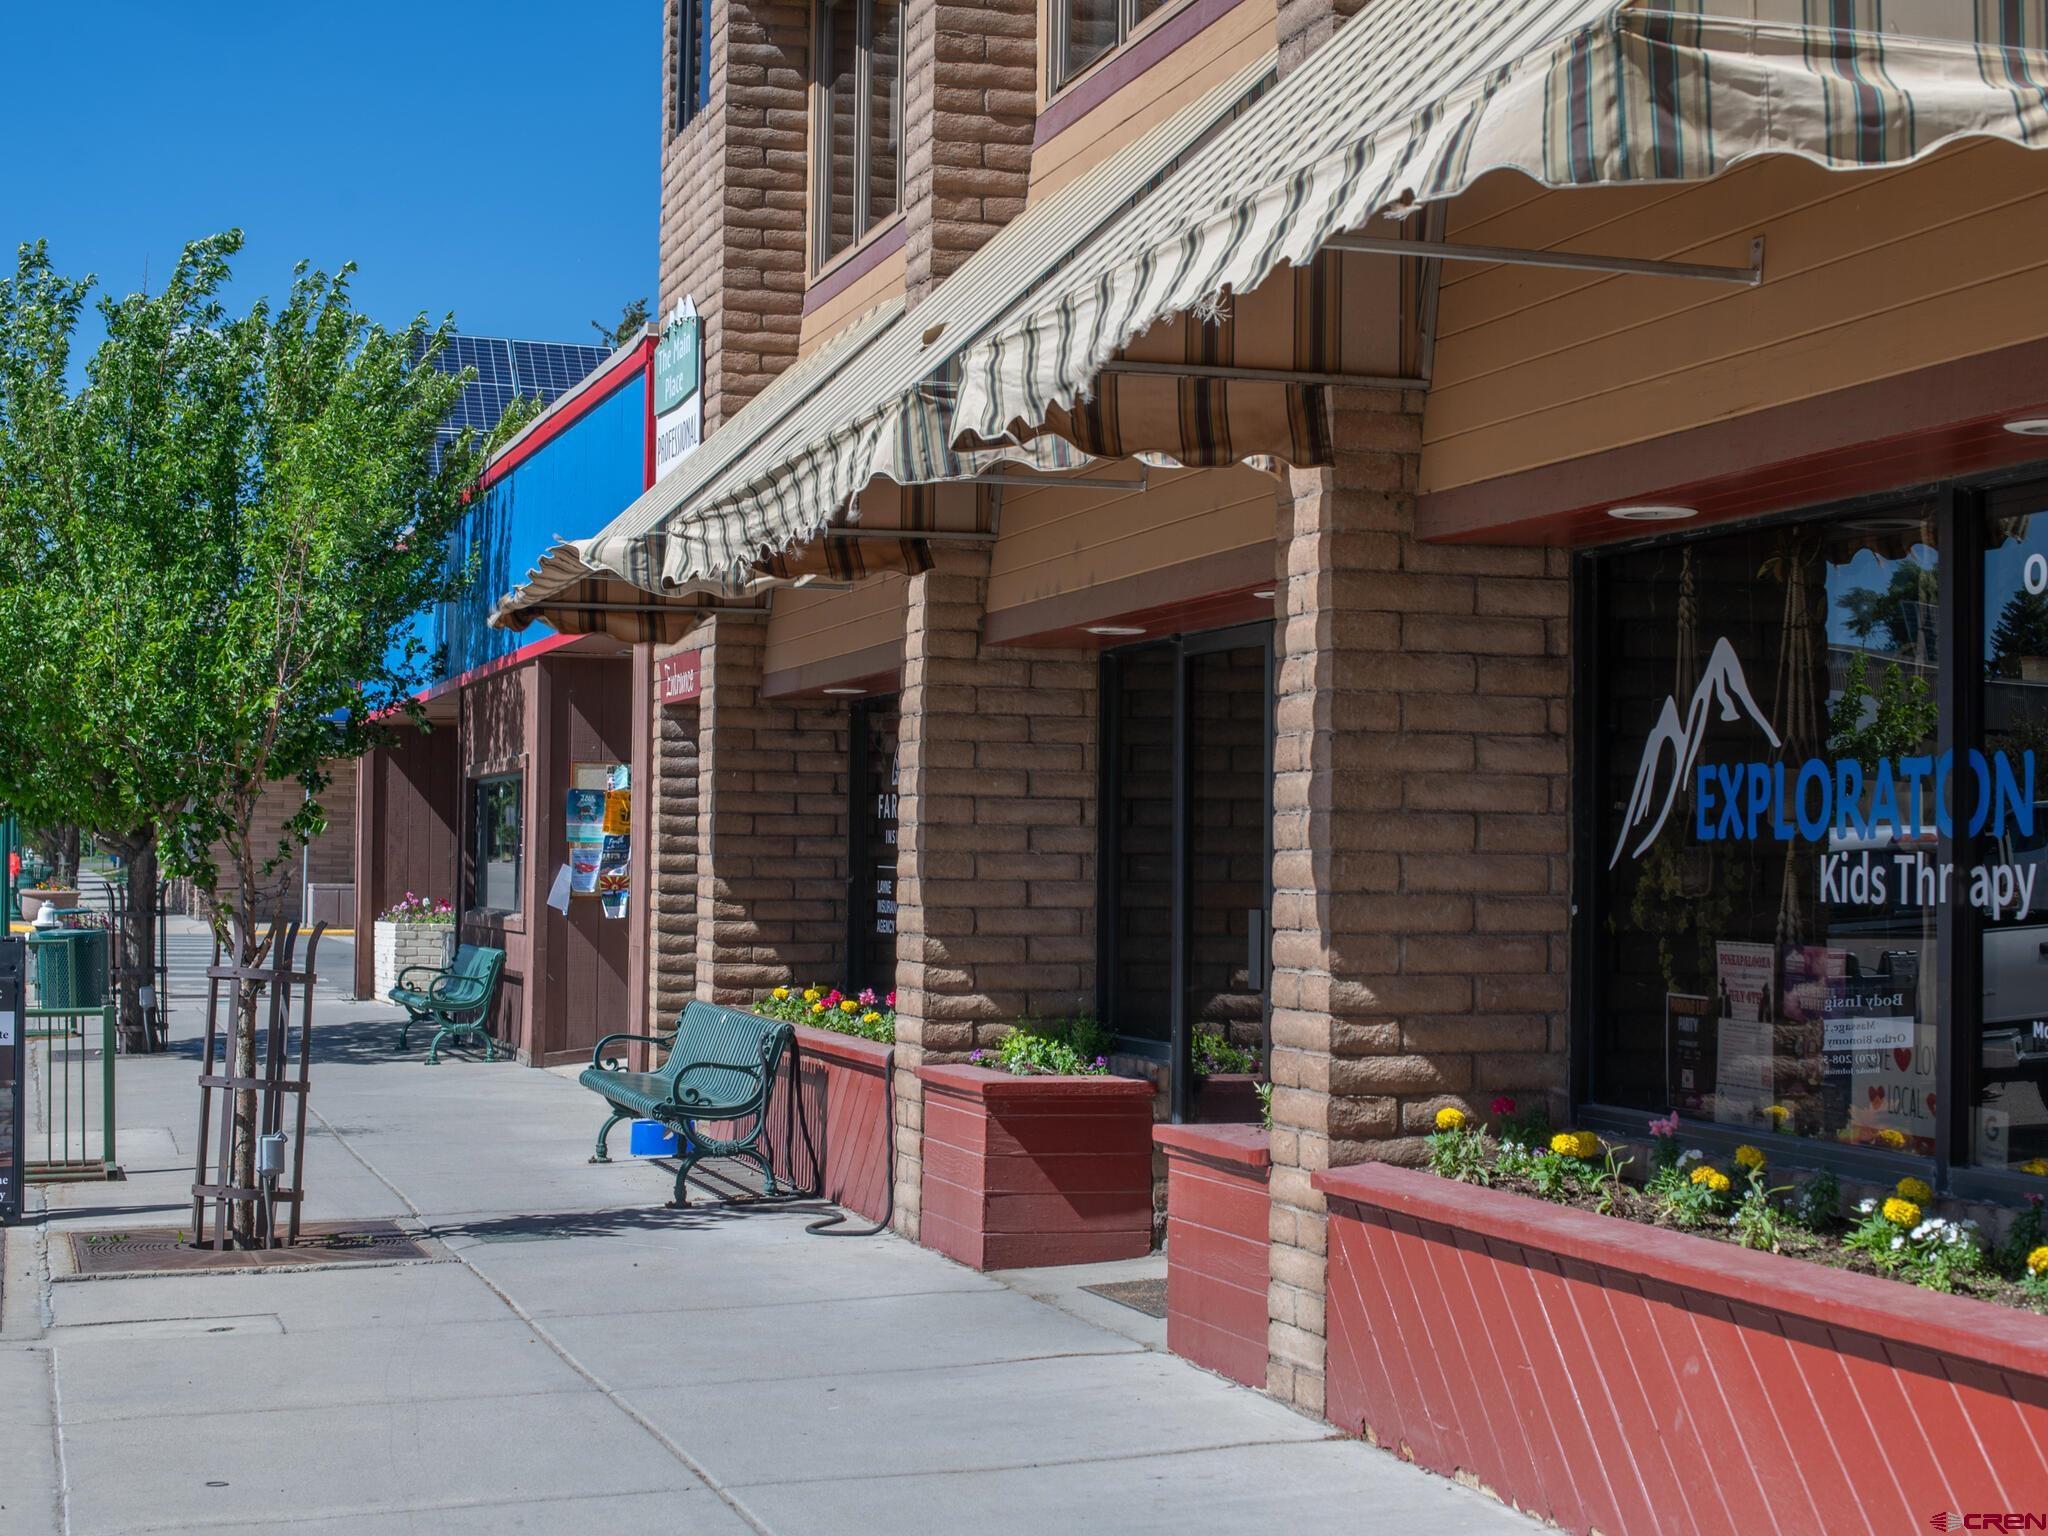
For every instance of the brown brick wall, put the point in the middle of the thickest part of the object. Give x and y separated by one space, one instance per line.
997 836
1419 862
732 202
1302 26
771 827
969 108
672 914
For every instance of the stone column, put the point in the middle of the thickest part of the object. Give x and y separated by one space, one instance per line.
996 840
1419 864
771 827
1302 26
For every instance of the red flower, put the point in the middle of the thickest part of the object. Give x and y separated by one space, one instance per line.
1504 1105
892 999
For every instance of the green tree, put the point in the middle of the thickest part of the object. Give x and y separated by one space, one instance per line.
632 317
2020 634
1903 611
211 559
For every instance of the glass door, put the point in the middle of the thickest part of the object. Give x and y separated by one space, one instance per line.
1187 860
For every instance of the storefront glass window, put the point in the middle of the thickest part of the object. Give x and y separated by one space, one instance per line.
1770 809
495 845
2006 1065
1086 30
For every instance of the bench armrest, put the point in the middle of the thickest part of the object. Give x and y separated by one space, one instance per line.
434 972
675 1085
597 1051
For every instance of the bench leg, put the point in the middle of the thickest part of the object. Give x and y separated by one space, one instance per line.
760 1160
434 1046
604 1134
684 1164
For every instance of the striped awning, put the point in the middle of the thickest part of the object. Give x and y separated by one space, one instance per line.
875 403
1413 101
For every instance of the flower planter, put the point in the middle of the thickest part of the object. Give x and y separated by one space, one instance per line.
33 901
1228 1098
1023 1171
1218 1214
1610 1376
845 1121
400 945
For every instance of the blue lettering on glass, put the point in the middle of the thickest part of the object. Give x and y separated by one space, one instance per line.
1735 802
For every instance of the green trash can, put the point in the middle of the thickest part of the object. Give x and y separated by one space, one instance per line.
71 967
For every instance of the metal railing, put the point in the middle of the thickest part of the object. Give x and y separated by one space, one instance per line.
71 1090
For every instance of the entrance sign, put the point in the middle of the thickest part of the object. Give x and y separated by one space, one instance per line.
679 679
678 387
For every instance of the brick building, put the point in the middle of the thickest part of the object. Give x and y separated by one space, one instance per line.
1279 618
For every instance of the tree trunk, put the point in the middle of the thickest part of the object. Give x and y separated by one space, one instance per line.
137 939
66 859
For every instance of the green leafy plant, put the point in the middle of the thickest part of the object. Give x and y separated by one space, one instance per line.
1265 1093
1214 1054
1758 1221
1609 1190
1817 1203
1693 1192
1456 1149
865 1015
1034 1047
1524 1127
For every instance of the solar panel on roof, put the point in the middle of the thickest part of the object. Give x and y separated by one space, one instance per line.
507 369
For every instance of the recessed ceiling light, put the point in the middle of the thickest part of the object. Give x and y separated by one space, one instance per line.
2028 426
1267 593
1653 513
843 691
1115 629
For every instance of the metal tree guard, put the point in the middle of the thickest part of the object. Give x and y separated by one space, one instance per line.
280 1074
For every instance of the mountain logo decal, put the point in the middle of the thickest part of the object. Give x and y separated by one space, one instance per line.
1722 686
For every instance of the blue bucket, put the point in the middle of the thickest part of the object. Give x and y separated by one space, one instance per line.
650 1138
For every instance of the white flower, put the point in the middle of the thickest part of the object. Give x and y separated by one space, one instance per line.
1866 1206
1690 1155
1898 1242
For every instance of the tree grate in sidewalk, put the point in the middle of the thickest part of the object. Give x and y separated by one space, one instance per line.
1146 1296
321 1244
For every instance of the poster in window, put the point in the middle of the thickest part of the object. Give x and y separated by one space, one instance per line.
584 861
591 775
1689 1055
618 812
1745 1031
585 815
615 874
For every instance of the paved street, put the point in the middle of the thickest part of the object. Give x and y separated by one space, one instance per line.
577 1357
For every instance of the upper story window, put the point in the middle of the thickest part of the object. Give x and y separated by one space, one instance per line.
1085 30
857 167
692 59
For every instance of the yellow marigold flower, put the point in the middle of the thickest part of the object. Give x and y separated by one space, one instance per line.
1710 1177
1901 1213
1450 1118
781 994
1575 1144
849 1006
2037 1261
817 1007
1778 1114
1919 1191
1891 1138
871 1017
1749 1157
2037 1166
812 994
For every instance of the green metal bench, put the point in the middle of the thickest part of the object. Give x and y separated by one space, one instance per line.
456 1001
721 1066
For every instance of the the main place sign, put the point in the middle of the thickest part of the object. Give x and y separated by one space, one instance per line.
1833 801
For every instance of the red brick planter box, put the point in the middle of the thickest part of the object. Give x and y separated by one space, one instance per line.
1021 1171
1217 1216
846 1112
1614 1377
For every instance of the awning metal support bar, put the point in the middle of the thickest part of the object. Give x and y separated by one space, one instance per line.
1575 261
1053 482
924 535
1260 376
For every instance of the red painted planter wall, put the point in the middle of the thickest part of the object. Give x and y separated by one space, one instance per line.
1021 1171
1217 1216
846 1112
1614 1377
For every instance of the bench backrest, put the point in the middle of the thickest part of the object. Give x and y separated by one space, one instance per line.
476 962
726 1054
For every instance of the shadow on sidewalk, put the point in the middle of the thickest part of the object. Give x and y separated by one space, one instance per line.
561 1225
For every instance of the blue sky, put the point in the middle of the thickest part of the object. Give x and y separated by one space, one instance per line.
501 159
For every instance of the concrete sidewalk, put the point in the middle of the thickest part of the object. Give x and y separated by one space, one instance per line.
578 1358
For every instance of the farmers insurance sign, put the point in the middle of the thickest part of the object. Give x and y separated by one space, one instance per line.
678 387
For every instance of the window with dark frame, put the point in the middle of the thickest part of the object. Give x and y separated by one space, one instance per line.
496 844
871 845
857 132
1084 31
691 49
1186 846
1813 829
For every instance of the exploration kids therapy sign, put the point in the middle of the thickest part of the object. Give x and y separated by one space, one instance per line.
1824 801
